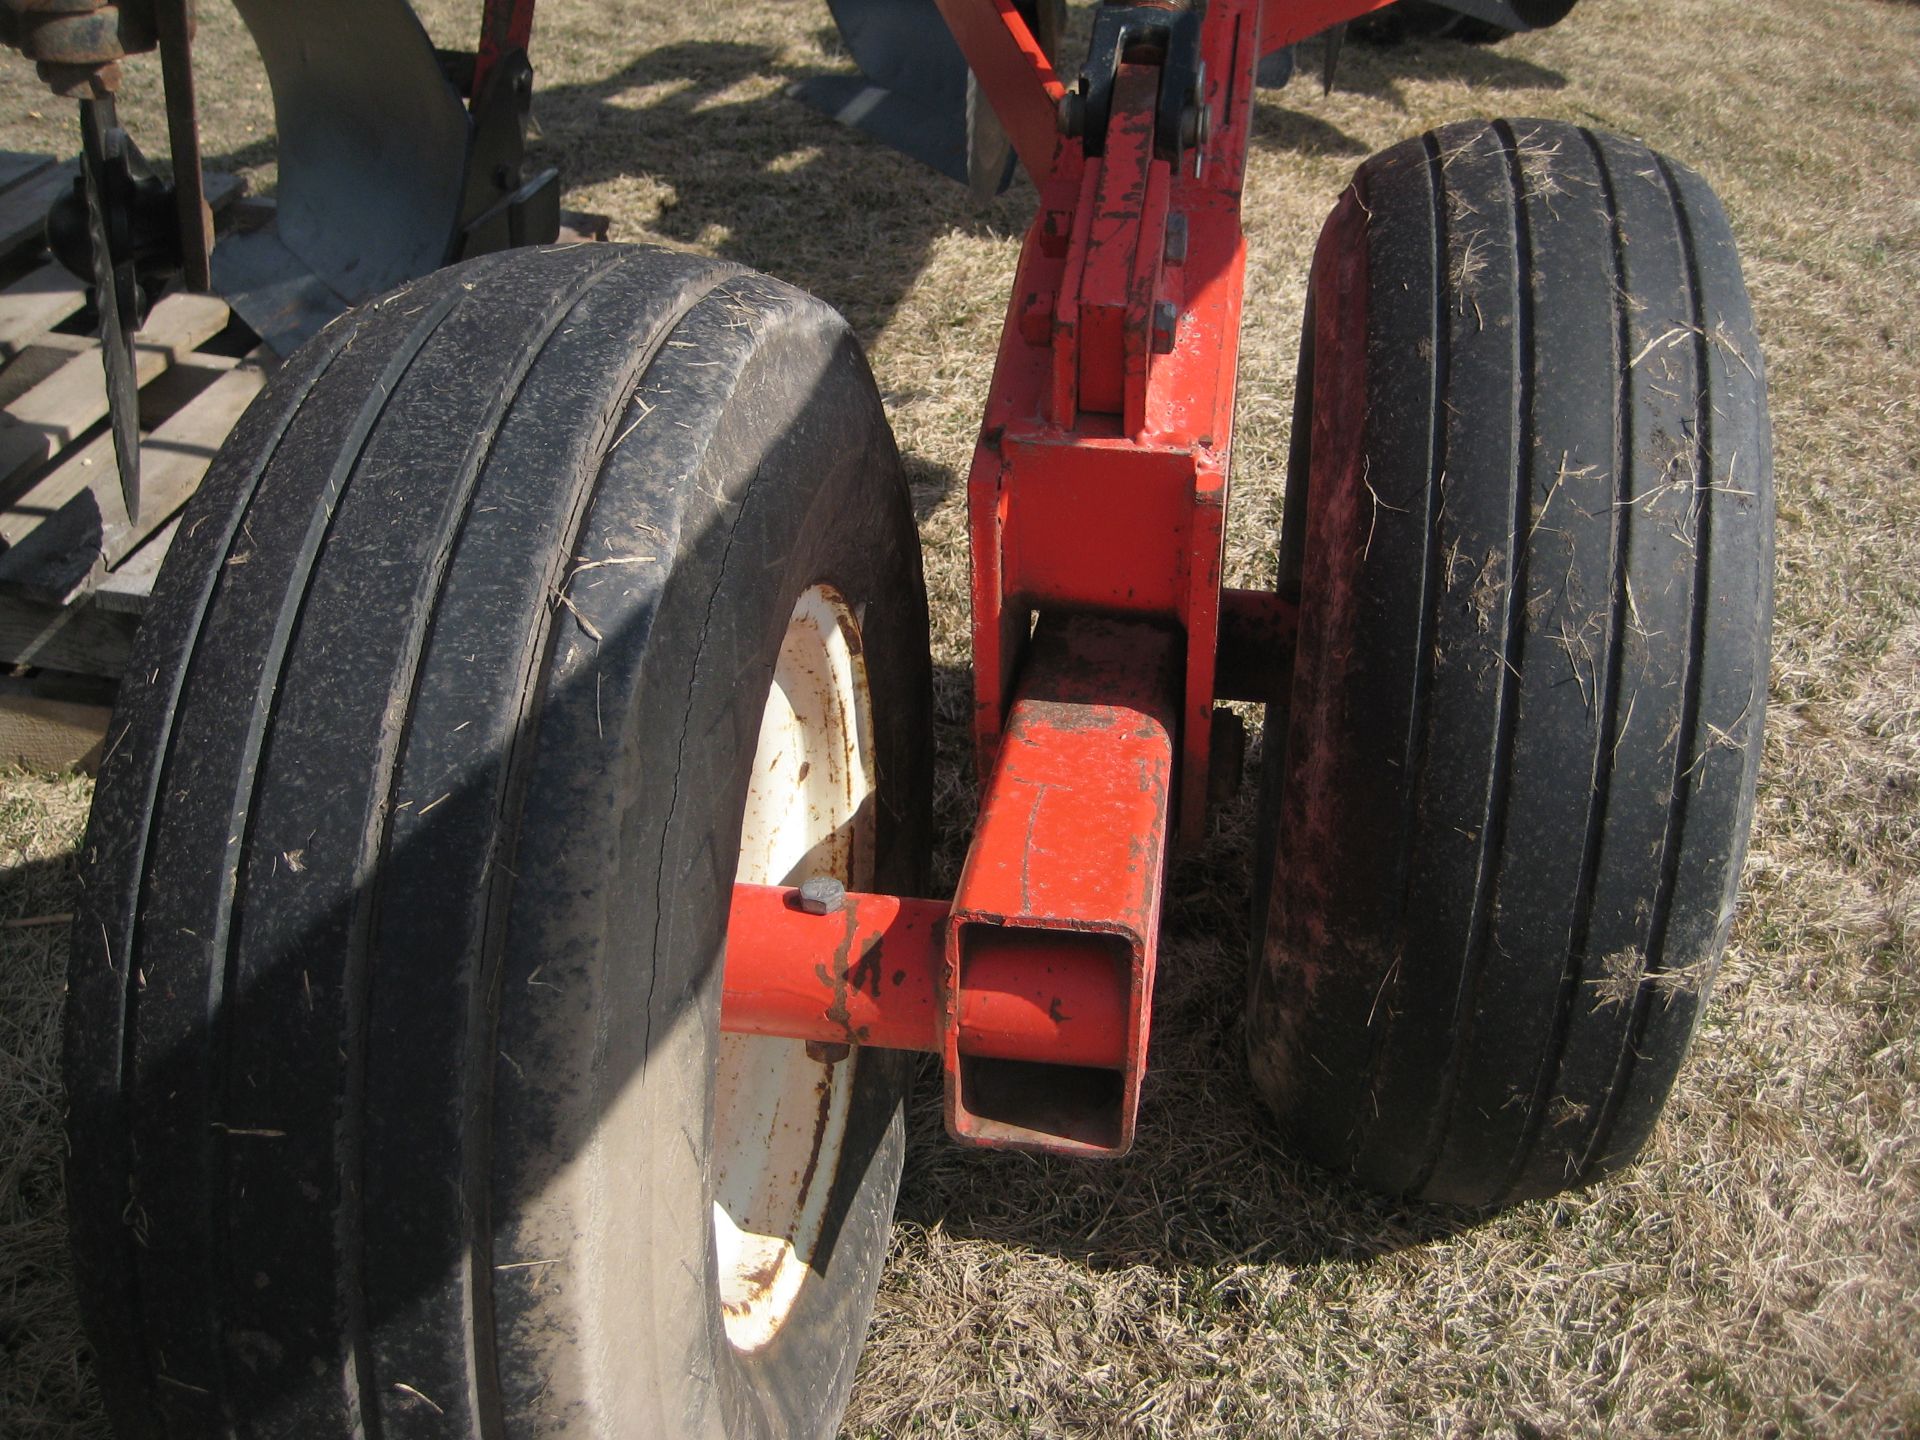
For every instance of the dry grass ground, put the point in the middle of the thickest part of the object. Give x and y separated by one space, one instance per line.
1758 1273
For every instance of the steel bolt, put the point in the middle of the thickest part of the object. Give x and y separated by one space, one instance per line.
823 895
1196 126
1165 320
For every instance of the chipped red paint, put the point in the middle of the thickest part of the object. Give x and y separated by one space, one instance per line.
1064 881
1100 481
862 976
1113 265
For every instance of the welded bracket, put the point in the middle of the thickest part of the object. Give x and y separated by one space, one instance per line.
1127 35
503 205
1100 482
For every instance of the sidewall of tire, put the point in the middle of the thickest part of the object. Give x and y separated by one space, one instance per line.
1519 759
792 507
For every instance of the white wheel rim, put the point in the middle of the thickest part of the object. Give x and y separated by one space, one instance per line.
780 1116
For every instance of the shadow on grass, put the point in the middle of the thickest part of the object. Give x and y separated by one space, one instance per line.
1284 118
45 1373
1378 71
1276 127
759 178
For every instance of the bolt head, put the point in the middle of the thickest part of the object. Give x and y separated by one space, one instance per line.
823 895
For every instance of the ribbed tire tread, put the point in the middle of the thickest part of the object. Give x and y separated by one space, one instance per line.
1519 759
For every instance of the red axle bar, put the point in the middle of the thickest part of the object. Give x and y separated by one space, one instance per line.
869 974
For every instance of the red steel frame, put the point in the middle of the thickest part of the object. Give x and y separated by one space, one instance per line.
1097 507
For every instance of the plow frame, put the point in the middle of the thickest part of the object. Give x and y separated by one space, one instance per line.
1102 636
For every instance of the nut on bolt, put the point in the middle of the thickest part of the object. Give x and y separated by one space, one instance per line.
1196 124
1176 246
1071 117
823 895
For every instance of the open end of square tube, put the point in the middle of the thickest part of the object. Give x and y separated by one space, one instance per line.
1078 980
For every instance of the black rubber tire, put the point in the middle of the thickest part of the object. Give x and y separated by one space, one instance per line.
1509 793
410 860
1425 20
1409 20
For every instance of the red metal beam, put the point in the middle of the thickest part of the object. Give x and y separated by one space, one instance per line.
1103 324
1018 80
1100 481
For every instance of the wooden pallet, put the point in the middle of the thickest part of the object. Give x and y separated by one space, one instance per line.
75 573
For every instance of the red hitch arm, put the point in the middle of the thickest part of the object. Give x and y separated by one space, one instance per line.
505 26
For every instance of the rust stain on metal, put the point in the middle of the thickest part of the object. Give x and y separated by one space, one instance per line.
838 1012
844 977
823 1114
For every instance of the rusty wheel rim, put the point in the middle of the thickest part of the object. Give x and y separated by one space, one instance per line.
780 1113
